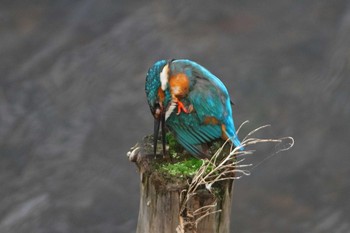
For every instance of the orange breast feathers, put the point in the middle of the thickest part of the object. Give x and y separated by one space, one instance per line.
161 95
179 85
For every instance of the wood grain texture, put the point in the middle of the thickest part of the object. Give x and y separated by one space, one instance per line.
161 198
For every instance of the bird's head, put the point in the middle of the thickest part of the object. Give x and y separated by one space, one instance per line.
153 87
158 96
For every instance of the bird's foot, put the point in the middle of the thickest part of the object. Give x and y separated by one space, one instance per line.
181 107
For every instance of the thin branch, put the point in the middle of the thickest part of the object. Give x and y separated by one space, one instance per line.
228 168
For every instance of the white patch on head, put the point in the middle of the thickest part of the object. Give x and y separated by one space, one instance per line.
170 109
176 90
164 76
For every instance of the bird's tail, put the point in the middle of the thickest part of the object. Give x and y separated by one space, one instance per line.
232 135
237 142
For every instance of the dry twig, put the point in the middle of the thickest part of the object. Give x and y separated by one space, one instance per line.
220 168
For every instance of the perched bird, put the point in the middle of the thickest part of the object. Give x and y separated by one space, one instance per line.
191 102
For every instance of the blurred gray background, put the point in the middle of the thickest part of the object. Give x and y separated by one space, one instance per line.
72 103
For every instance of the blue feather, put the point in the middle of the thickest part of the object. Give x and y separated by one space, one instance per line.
209 98
206 94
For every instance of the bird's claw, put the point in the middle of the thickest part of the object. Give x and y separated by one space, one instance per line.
181 107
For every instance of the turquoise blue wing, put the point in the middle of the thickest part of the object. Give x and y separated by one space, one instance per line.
212 100
191 133
215 101
207 93
209 98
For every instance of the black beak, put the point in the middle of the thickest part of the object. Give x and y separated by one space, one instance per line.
159 120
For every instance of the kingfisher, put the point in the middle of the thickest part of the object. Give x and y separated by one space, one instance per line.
192 103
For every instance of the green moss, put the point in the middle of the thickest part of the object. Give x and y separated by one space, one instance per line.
181 169
175 149
182 164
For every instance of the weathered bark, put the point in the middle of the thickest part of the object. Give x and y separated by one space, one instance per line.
162 198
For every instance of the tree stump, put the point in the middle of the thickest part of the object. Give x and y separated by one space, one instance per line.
166 204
